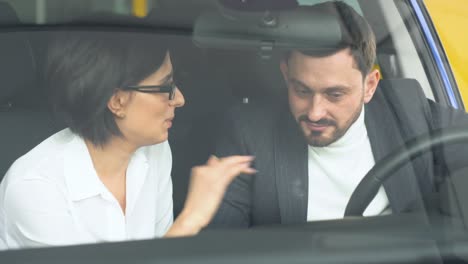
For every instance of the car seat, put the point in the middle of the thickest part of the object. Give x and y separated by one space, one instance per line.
205 91
212 80
23 123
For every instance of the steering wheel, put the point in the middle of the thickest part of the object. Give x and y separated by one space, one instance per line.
369 186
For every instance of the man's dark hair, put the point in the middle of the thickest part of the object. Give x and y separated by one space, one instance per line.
356 35
85 68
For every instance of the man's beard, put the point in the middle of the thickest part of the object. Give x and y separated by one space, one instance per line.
314 138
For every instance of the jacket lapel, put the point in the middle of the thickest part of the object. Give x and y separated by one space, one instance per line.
385 136
291 171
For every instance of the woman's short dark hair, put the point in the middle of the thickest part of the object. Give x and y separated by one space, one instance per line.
85 68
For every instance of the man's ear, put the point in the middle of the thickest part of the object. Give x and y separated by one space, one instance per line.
370 85
118 102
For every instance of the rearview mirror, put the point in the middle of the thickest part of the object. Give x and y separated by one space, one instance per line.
301 28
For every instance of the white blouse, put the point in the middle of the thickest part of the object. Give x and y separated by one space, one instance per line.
53 196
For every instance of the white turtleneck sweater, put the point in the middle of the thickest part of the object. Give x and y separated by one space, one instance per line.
336 170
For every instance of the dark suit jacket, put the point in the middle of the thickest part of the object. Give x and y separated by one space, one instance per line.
278 193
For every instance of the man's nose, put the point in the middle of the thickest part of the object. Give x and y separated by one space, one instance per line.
317 109
179 99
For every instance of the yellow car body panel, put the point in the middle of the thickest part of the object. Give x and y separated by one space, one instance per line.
450 18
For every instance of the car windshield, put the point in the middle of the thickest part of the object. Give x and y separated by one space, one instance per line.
350 113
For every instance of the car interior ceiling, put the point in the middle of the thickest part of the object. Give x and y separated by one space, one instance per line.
212 80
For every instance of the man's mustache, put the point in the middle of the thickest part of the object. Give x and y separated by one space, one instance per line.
321 122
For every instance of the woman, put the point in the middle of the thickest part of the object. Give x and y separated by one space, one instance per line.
107 176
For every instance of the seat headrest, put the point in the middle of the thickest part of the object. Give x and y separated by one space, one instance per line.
17 65
7 14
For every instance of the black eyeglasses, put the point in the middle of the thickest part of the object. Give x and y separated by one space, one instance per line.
169 88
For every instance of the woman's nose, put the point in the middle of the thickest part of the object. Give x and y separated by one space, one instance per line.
179 99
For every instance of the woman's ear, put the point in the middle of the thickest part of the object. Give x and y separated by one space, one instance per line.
117 104
370 85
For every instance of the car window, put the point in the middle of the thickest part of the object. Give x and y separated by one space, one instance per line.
48 11
354 4
256 79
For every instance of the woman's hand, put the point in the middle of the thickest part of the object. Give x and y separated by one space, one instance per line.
208 183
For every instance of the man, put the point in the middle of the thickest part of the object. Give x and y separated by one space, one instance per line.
312 153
